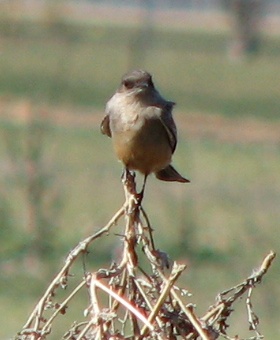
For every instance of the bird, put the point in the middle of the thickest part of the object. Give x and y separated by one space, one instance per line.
140 122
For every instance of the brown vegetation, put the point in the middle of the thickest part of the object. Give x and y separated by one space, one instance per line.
143 301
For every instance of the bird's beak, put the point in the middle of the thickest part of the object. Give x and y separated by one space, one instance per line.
142 86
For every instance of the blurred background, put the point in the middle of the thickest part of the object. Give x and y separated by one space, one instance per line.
60 61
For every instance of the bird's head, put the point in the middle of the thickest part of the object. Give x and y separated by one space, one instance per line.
136 82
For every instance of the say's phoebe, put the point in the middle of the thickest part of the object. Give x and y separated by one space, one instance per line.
142 128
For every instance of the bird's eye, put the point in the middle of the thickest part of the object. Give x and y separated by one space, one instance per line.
128 84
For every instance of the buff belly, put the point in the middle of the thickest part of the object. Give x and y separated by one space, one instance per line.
144 148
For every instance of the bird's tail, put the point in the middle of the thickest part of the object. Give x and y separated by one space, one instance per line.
169 174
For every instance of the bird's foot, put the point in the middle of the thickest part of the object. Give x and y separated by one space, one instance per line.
139 197
128 180
133 199
132 206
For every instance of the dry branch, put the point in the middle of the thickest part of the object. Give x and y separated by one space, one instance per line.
143 303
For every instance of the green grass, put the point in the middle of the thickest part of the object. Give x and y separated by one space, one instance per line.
189 67
221 224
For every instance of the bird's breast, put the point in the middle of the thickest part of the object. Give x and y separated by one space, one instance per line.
143 145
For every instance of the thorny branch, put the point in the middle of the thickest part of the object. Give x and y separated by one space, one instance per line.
143 302
220 312
32 326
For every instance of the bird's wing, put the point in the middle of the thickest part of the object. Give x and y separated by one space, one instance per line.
169 124
105 126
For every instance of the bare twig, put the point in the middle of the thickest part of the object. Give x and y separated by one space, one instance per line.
176 272
62 306
122 301
61 277
220 312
